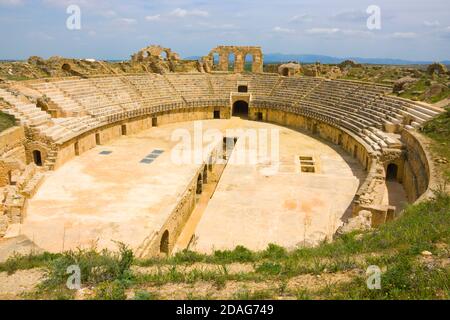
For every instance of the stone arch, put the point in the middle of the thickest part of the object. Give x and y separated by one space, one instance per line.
37 158
205 174
66 67
240 109
232 61
165 54
391 171
199 189
240 57
35 146
164 244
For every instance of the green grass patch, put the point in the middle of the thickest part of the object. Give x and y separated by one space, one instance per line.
6 121
438 129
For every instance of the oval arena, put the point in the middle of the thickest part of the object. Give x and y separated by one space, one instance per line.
92 162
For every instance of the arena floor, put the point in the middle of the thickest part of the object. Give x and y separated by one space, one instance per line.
101 198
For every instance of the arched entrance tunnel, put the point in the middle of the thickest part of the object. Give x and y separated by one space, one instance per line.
240 109
391 172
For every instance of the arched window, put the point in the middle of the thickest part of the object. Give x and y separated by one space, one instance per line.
231 61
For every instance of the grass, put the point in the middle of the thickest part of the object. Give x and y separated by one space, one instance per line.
438 130
395 247
6 121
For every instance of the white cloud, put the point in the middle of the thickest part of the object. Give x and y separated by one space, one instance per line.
322 30
404 35
109 13
351 16
40 35
433 23
11 2
182 13
283 30
301 18
127 21
156 17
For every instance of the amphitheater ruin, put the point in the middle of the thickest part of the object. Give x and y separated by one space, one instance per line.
90 158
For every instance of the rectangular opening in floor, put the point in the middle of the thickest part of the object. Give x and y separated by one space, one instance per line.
307 164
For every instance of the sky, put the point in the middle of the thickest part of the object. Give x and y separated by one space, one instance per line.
114 29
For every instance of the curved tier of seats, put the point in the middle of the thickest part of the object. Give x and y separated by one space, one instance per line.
94 102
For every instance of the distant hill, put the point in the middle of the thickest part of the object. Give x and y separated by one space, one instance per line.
312 58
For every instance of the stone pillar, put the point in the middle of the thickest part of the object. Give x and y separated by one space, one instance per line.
239 64
223 61
257 66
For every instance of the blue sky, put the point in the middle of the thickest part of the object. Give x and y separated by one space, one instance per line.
114 29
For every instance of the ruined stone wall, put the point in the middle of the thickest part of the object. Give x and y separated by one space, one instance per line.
240 53
12 152
419 175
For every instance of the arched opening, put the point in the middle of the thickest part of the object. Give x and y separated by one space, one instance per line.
215 61
199 184
66 67
164 245
231 61
240 109
285 72
205 175
164 55
248 62
37 158
391 172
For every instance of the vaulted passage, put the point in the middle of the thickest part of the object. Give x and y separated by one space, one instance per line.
240 109
164 245
391 172
37 157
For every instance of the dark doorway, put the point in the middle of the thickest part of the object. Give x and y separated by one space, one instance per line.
77 148
124 130
240 109
391 172
285 72
97 138
199 184
216 114
259 116
154 122
37 158
242 89
164 245
205 175
9 177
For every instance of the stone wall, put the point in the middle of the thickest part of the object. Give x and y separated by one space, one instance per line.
420 177
12 152
89 140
